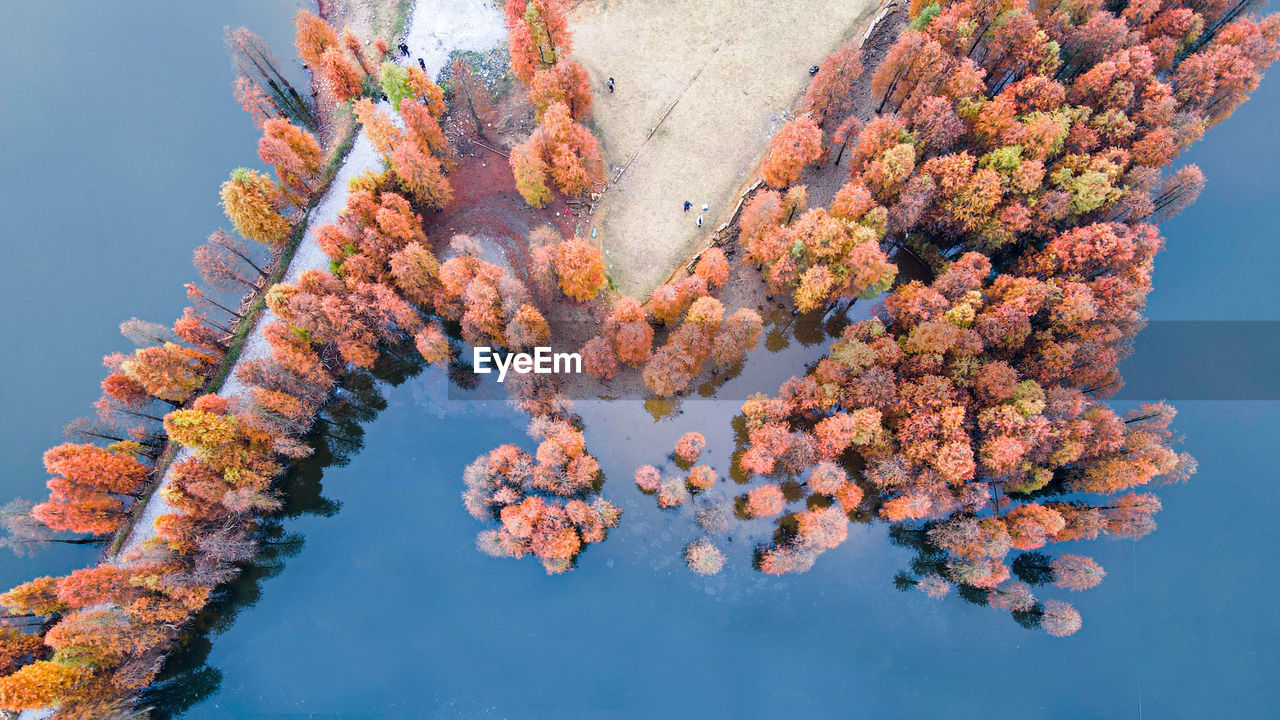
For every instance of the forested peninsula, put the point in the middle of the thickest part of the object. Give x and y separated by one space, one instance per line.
990 175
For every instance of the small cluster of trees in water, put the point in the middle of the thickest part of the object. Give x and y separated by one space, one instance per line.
1018 150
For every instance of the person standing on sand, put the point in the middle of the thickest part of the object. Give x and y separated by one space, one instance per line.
610 85
687 205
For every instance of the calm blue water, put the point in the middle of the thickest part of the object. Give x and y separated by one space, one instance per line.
386 609
116 129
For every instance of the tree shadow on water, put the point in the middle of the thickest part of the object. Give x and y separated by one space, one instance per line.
186 679
930 560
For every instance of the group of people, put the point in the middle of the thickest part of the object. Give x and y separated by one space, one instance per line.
404 52
688 205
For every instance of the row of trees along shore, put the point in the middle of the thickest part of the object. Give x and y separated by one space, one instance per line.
1022 152
86 644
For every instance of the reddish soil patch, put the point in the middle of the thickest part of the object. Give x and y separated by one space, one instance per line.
487 207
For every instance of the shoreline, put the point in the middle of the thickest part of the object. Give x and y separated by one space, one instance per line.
433 36
435 30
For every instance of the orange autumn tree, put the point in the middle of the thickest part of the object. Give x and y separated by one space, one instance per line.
575 264
627 337
90 488
530 172
416 274
689 446
432 343
565 82
540 500
357 320
712 267
765 501
670 299
1010 454
419 153
292 152
90 465
321 50
560 152
39 685
1036 136
599 359
254 204
573 153
35 598
168 372
701 478
491 305
739 334
356 48
831 92
341 76
703 332
793 147
527 328
422 124
580 267
378 126
313 37
240 453
629 332
18 648
821 254
538 35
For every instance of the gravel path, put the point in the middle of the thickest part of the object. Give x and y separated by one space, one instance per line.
436 29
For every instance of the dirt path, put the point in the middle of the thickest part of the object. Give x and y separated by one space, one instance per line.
733 70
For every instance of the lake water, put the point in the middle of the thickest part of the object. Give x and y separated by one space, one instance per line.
117 128
376 603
